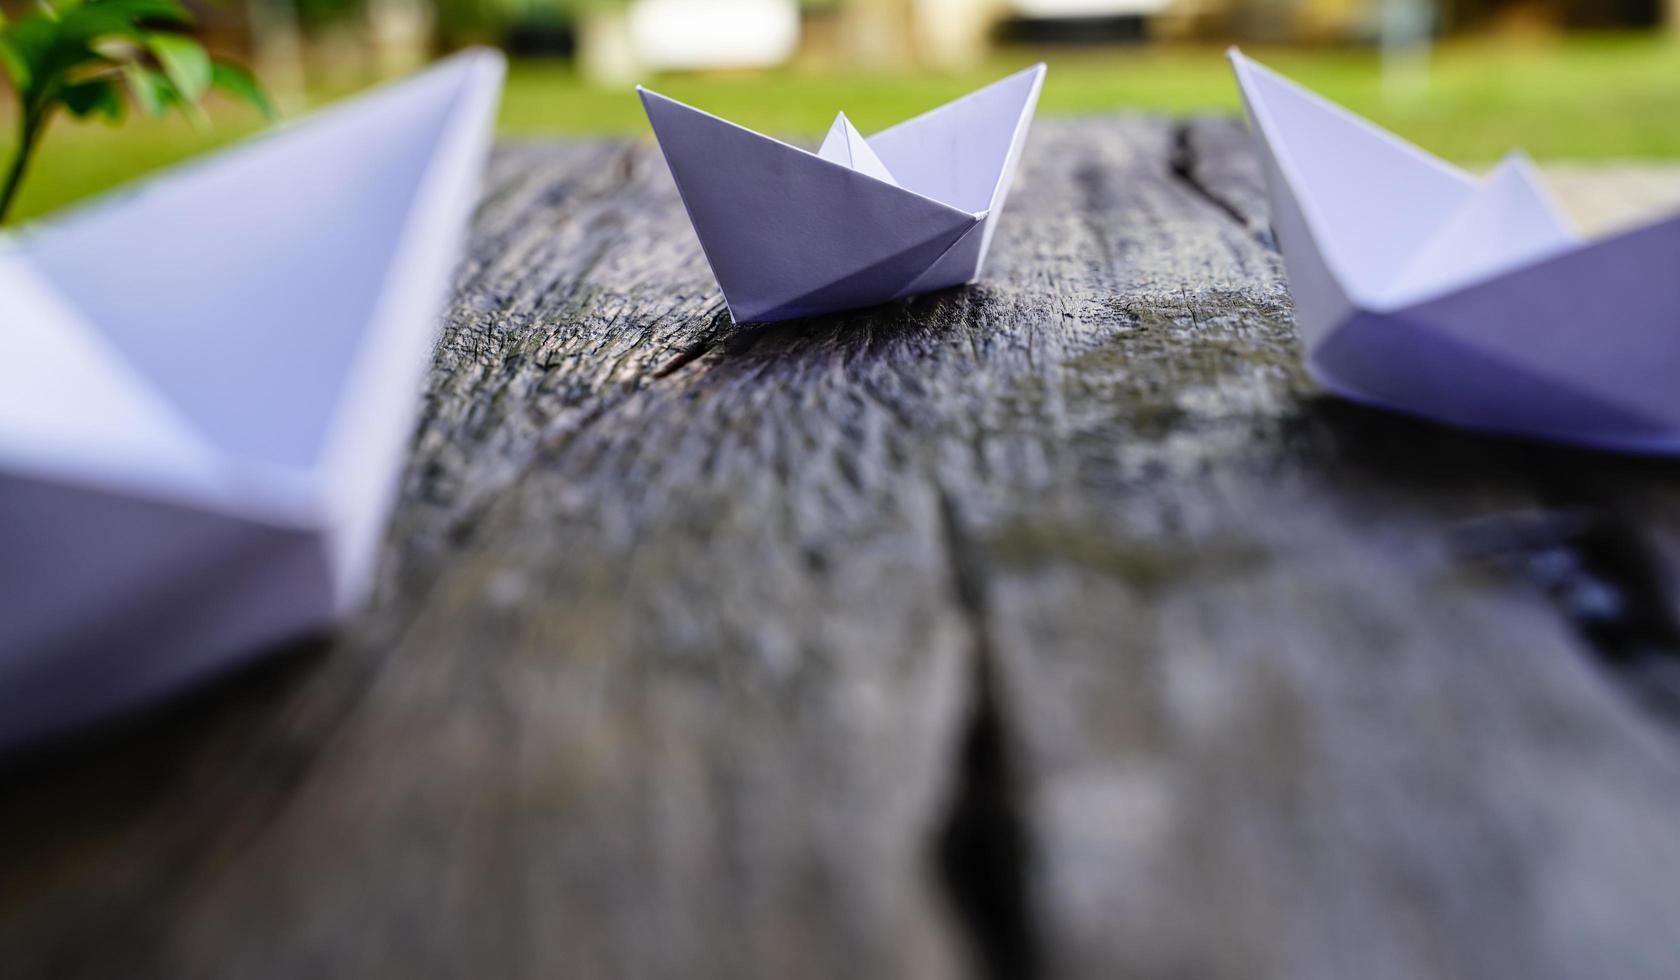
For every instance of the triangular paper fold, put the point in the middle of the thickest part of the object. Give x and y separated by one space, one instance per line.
965 152
208 468
1506 223
1423 290
72 408
846 146
790 233
291 239
1370 199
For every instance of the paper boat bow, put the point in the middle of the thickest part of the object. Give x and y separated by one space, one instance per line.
208 387
790 233
1423 290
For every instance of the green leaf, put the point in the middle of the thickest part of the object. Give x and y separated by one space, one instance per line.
79 27
164 96
184 61
99 96
156 11
240 84
79 54
14 63
151 89
28 50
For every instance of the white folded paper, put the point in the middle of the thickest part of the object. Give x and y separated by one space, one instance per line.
1424 290
208 387
791 233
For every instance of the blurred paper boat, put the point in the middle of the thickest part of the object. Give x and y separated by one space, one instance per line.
791 233
208 389
1423 290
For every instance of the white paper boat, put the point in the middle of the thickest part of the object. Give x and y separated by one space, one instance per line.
207 393
1424 290
791 233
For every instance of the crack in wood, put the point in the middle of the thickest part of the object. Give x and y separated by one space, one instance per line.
1181 163
1603 579
1024 628
981 852
717 331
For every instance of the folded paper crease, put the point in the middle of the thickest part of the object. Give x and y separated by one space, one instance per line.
1422 289
199 444
790 233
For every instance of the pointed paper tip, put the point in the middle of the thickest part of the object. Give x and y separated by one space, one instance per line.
1517 164
1519 167
1036 70
653 102
1518 158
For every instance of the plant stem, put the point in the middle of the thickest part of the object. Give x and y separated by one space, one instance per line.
29 130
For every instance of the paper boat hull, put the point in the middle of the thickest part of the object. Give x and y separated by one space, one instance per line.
1390 363
1409 298
276 400
789 233
127 599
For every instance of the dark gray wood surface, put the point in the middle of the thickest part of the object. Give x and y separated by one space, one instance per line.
1051 627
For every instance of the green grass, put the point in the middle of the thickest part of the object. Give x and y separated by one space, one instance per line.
1580 98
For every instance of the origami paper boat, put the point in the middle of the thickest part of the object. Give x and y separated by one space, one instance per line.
208 388
791 233
1421 289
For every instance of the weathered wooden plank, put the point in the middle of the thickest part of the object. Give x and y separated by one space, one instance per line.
1054 626
1273 726
674 684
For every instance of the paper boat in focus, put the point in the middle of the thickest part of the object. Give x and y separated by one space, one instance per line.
208 390
791 233
1424 290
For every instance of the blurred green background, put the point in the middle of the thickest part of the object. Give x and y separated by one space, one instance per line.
1471 96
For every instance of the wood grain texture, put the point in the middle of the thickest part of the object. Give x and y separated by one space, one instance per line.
1051 627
